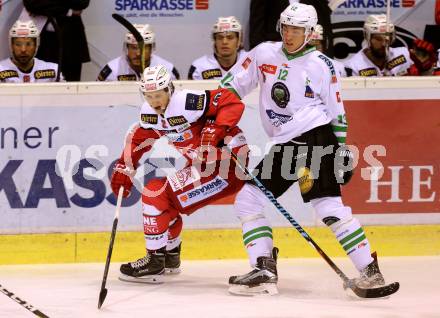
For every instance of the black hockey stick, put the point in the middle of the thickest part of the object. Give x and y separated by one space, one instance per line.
103 292
140 40
60 46
348 283
22 302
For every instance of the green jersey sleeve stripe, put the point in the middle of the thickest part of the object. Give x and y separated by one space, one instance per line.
339 128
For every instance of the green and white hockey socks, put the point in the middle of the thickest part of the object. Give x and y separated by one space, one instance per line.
347 229
257 232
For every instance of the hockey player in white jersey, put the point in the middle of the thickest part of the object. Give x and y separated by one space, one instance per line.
22 66
227 37
192 121
301 110
379 58
127 67
317 40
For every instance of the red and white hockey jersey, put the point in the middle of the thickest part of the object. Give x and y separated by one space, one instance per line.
182 122
208 68
119 69
397 64
41 72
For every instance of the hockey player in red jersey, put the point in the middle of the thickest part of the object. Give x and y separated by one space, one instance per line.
198 124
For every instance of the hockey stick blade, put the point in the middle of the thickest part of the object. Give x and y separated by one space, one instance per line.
377 292
139 39
102 295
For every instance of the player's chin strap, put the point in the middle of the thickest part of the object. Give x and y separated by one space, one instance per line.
349 283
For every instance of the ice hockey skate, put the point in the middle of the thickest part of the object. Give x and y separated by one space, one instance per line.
370 277
260 281
148 269
172 261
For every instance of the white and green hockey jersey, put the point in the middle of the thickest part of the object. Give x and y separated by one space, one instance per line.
298 92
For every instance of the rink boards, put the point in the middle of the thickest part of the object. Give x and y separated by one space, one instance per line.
58 141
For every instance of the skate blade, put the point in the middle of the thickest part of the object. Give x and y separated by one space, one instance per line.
172 271
263 289
150 279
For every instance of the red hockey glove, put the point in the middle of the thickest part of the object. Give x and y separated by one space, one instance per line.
211 136
423 54
121 177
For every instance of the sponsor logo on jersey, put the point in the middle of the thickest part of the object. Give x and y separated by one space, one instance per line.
26 79
309 92
42 74
268 68
368 72
396 62
246 63
280 94
150 225
208 74
194 102
127 77
202 192
177 120
180 137
278 119
305 180
163 5
8 74
365 4
183 177
330 66
149 118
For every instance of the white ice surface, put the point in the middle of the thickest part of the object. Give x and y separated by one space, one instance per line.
308 288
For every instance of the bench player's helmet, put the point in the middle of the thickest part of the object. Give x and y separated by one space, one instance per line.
146 32
24 29
377 24
228 24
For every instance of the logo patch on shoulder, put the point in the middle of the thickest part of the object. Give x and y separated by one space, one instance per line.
149 119
105 72
127 77
396 62
246 63
42 74
368 72
194 102
208 74
8 74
